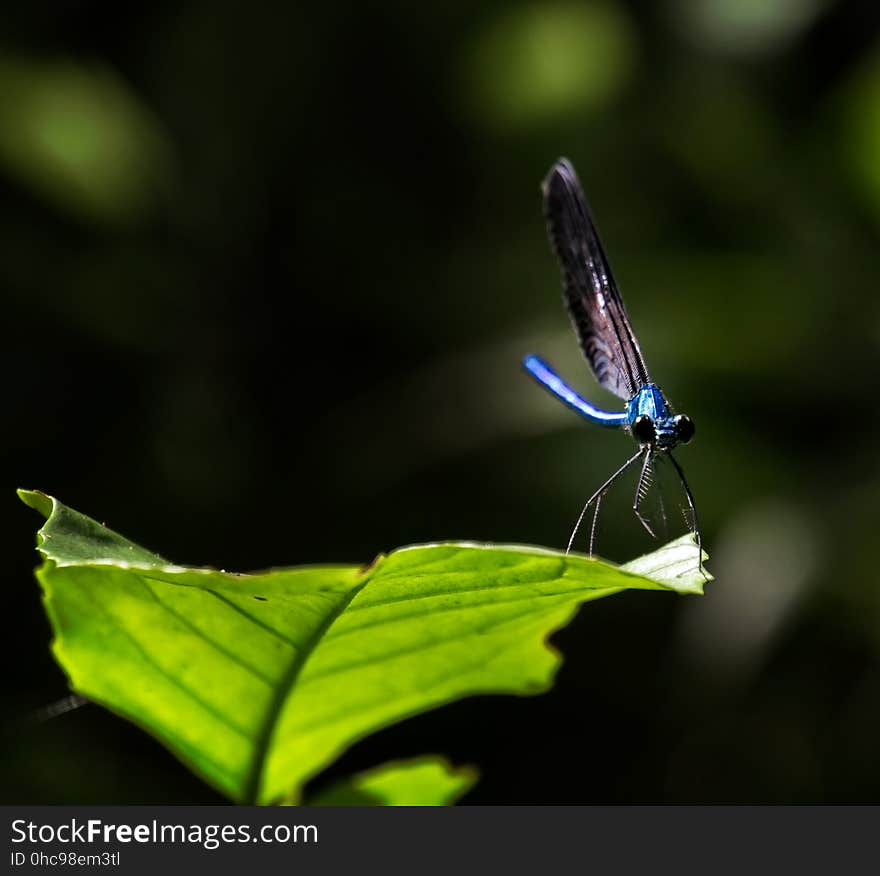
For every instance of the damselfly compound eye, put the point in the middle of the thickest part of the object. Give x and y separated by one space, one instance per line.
643 429
684 428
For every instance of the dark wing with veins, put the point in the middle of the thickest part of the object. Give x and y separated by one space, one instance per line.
592 297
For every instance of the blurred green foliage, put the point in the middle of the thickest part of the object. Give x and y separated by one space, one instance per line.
543 61
338 259
746 27
77 136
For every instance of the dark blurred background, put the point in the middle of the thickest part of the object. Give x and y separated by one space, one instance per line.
268 275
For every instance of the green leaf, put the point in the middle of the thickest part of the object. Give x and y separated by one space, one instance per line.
69 538
259 681
424 781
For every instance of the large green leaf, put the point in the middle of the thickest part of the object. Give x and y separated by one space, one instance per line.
258 681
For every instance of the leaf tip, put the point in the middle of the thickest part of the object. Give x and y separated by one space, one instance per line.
40 502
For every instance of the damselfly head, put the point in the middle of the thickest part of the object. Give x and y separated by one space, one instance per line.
652 422
664 433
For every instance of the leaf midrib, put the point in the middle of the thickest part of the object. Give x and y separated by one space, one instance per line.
253 779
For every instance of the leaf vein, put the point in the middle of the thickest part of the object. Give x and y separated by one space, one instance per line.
443 609
236 608
493 587
441 679
173 680
414 649
222 649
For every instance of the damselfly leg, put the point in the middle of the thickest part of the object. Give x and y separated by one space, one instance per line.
597 496
642 487
695 522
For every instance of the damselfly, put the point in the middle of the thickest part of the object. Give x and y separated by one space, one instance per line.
610 346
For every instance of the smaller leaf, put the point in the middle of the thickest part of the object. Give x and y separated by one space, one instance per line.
423 781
